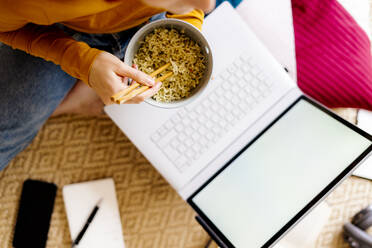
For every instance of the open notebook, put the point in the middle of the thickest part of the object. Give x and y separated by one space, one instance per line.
105 229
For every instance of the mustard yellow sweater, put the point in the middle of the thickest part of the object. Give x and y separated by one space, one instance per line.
25 25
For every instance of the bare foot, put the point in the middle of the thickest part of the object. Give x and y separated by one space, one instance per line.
80 100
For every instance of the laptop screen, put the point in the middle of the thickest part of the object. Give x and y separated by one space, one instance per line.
272 179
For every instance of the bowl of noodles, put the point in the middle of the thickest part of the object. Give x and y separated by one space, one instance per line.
184 47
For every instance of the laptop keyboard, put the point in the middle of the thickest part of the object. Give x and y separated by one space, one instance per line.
190 132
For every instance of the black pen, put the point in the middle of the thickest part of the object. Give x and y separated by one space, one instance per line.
87 223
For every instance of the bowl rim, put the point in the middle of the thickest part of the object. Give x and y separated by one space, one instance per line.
187 100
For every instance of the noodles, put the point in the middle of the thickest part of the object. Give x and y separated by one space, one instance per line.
184 54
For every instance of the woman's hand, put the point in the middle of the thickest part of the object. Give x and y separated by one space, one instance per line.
109 75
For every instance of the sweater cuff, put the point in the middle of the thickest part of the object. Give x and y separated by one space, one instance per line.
87 64
195 17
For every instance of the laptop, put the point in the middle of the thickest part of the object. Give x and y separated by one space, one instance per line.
252 155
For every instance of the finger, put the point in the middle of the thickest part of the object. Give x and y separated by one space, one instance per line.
125 81
131 92
145 95
150 92
137 75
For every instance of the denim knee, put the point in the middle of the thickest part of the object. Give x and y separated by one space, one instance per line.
30 90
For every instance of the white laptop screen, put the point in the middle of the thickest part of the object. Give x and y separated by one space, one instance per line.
274 178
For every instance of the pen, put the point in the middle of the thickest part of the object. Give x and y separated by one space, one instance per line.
87 223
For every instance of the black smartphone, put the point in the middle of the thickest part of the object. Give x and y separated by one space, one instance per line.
34 213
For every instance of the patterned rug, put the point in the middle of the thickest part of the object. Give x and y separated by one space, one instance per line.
72 149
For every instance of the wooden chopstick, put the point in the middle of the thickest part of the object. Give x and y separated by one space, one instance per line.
141 89
130 92
159 70
162 78
124 92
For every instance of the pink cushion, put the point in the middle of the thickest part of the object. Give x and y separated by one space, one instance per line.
333 54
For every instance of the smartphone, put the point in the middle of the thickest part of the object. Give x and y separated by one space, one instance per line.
34 214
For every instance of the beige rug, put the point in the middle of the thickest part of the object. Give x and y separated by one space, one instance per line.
72 149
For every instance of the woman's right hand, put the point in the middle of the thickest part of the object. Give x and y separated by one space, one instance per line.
109 75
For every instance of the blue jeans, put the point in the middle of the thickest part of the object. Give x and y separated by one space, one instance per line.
32 88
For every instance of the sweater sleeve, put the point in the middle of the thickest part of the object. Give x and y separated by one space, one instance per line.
54 45
195 17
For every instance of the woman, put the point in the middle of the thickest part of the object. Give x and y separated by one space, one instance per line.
67 58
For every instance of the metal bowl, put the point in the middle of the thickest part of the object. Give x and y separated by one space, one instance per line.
190 31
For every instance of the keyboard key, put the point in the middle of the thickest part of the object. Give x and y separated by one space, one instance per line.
255 94
175 143
197 147
182 112
232 69
226 86
255 83
217 130
188 131
216 118
199 109
202 130
195 136
210 136
195 125
208 114
215 108
262 87
175 119
181 148
208 124
189 142
238 63
182 137
193 115
165 140
248 77
186 121
239 74
228 95
242 83
245 57
229 117
255 70
179 127
213 97
222 123
171 153
235 89
269 82
261 76
236 111
155 137
181 162
162 131
229 107
202 119
190 154
242 95
206 103
224 75
235 101
169 124
219 91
